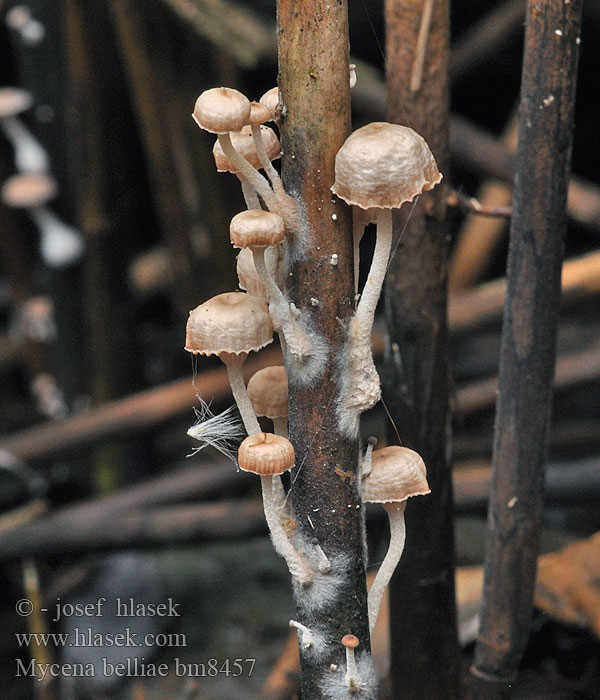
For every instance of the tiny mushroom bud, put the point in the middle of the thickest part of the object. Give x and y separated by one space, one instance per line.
271 100
352 677
270 455
397 474
230 326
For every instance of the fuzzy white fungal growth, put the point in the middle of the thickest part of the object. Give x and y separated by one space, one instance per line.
324 563
325 587
333 684
359 380
224 431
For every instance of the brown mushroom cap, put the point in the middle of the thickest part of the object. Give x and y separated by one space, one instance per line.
221 109
243 142
350 641
384 165
270 100
268 392
233 322
397 474
26 191
248 277
259 114
255 228
13 101
266 454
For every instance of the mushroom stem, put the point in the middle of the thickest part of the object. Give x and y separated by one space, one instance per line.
240 394
252 175
279 307
365 311
306 636
29 155
265 161
250 196
395 513
297 566
367 462
280 426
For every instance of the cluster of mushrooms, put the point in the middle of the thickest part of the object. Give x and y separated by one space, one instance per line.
379 167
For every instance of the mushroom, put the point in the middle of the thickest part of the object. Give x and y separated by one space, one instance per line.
379 167
270 455
60 244
246 144
258 229
397 474
30 157
352 677
230 326
220 111
268 393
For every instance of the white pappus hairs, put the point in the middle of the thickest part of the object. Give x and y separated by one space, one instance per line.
223 431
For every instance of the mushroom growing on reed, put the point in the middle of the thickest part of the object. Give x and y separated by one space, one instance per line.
397 473
230 326
378 168
269 456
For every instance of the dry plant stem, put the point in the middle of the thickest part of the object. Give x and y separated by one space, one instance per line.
250 196
415 378
313 79
528 341
255 179
240 394
387 567
297 566
417 72
265 161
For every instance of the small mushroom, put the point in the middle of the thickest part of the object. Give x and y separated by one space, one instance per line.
397 474
269 456
60 244
221 111
248 278
259 114
352 677
268 392
245 143
29 155
230 326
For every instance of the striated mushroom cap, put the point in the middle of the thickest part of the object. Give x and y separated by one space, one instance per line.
233 322
221 109
243 142
268 392
29 190
384 165
248 277
13 101
256 228
266 454
397 474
